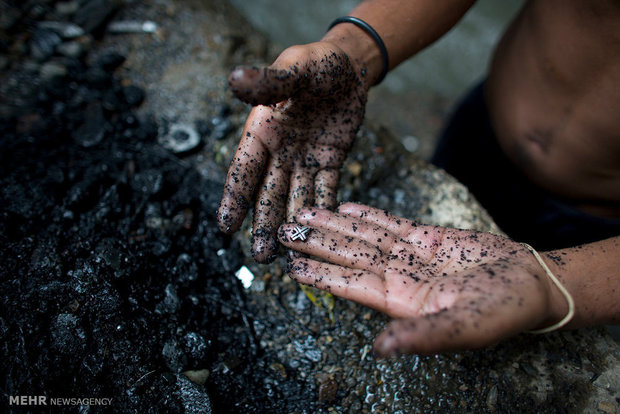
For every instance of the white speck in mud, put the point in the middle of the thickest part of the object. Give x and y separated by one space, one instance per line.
245 276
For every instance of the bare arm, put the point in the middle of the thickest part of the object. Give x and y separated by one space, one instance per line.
405 26
591 273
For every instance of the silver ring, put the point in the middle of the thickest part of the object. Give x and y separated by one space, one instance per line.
300 233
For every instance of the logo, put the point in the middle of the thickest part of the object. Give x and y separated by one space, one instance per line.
44 400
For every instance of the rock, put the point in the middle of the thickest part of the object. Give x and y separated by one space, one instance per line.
193 397
221 127
173 356
65 30
52 70
109 60
73 49
133 95
43 44
92 130
67 8
93 13
180 139
197 376
196 347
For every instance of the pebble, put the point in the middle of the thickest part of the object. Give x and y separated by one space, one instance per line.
63 29
221 127
93 13
67 8
199 376
132 26
181 138
411 143
44 43
133 95
355 168
194 399
92 131
52 70
72 49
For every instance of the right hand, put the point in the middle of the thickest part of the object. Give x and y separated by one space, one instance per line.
308 106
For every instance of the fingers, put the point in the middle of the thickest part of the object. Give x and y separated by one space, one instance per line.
360 286
424 240
397 225
326 188
469 323
307 190
348 226
272 84
336 248
269 212
301 192
244 174
264 86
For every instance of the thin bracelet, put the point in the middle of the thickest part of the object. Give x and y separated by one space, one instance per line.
567 295
373 33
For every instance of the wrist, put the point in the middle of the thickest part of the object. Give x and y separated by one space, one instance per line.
361 49
560 303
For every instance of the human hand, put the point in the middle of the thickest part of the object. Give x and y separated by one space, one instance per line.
449 289
309 106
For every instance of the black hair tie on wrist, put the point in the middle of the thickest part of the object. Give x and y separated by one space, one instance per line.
373 33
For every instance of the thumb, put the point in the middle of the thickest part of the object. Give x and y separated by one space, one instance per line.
452 329
264 86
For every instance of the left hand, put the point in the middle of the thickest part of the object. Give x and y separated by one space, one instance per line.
449 289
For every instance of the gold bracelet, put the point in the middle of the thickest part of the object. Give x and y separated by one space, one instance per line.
567 295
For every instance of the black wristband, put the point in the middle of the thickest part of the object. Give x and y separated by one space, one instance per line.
373 33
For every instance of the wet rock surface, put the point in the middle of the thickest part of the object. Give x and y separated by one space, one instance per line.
117 284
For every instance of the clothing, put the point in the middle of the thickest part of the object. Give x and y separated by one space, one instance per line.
469 151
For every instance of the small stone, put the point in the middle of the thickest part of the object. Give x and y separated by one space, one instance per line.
109 61
93 14
73 50
173 356
221 127
133 95
328 387
196 346
44 43
63 29
492 398
199 376
355 168
411 143
52 70
181 138
92 131
194 398
67 8
132 26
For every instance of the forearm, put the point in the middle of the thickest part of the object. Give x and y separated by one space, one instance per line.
591 273
405 26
